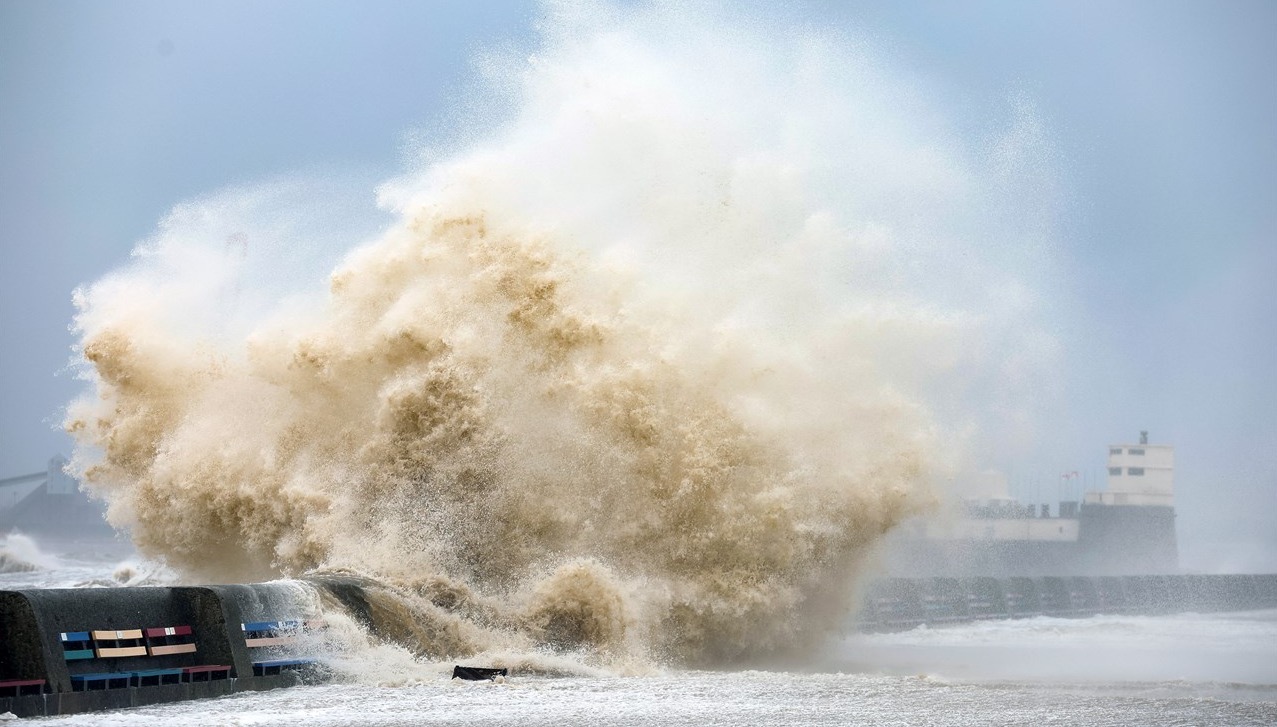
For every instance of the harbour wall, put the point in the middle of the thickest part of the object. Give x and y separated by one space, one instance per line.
902 603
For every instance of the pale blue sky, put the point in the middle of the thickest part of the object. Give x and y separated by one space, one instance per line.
1163 115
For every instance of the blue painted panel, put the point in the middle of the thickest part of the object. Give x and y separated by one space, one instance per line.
156 672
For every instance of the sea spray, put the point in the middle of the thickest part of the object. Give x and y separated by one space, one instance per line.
635 376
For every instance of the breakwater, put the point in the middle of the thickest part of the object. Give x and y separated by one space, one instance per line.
902 603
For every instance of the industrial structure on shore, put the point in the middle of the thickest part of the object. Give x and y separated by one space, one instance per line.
51 503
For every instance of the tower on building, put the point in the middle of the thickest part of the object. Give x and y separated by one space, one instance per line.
1130 528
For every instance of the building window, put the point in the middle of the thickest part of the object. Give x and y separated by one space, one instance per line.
1133 450
1115 471
1137 471
1115 450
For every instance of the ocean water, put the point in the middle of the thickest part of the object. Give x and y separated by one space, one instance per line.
1182 669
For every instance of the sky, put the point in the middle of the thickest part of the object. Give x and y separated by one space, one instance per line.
1160 116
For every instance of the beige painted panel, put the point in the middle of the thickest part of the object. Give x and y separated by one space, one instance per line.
270 641
122 651
117 635
172 649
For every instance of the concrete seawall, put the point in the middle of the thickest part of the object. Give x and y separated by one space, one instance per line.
902 603
36 623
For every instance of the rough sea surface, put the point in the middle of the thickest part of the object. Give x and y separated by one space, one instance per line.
1183 669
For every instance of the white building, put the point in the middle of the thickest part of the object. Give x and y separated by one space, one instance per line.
1138 474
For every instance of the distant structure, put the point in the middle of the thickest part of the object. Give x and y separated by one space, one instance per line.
50 503
1138 474
1127 529
1131 527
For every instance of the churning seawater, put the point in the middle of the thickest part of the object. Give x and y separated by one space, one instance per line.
738 698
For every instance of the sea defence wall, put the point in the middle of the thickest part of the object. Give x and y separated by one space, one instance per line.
902 603
78 650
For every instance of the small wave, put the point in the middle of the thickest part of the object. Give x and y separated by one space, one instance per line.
12 564
20 554
131 574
